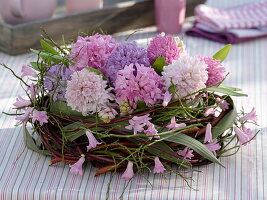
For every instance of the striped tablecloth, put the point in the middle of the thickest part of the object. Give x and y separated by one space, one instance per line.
26 175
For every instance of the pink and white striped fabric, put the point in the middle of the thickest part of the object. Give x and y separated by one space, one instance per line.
241 17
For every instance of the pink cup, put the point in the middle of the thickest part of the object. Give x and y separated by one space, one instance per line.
170 15
74 6
22 11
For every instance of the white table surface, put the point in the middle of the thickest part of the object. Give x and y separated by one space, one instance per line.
26 175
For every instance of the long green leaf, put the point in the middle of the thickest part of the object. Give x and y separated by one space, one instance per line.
48 47
163 155
60 107
193 144
225 91
230 88
31 144
226 122
222 54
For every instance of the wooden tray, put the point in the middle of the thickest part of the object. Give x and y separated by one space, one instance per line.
115 17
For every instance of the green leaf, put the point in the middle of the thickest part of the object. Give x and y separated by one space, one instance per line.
163 155
48 47
35 66
31 143
70 136
172 89
230 88
74 126
226 122
222 54
159 64
193 144
225 91
60 107
97 72
141 104
48 57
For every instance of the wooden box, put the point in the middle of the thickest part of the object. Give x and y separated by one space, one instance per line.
115 17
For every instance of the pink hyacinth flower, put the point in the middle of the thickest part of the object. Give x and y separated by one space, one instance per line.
243 136
137 123
166 99
76 168
173 125
107 114
92 140
224 105
25 116
28 71
208 134
209 111
186 153
20 102
40 116
129 173
250 116
213 146
158 168
152 131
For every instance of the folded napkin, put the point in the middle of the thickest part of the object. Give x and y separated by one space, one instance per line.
232 25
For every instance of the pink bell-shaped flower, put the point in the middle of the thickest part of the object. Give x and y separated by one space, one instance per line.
213 146
159 168
186 153
76 168
173 125
209 111
28 71
166 99
250 116
208 134
128 173
92 140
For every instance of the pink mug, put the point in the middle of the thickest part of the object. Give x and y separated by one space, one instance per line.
74 6
170 15
22 11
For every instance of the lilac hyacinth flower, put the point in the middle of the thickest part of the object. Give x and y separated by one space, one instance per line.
252 116
125 54
209 111
76 168
186 153
28 71
208 134
40 116
213 146
158 168
166 99
92 141
55 81
128 173
173 125
21 102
